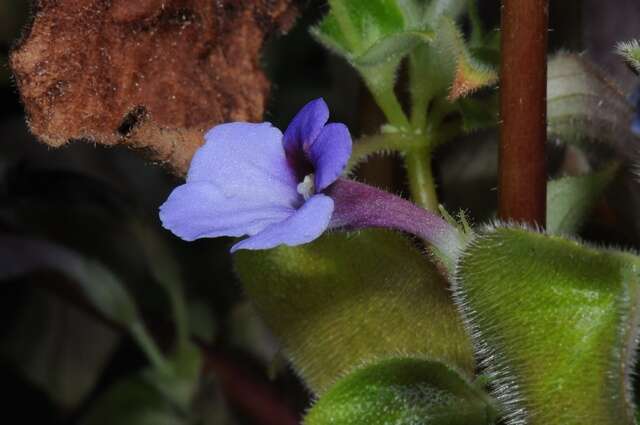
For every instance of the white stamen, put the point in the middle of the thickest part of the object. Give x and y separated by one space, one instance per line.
306 187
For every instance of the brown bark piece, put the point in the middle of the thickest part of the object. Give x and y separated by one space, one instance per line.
153 74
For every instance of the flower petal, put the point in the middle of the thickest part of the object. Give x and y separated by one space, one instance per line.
247 161
329 154
200 209
305 225
305 127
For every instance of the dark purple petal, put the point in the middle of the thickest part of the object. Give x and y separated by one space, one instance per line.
305 127
201 209
329 154
246 161
308 223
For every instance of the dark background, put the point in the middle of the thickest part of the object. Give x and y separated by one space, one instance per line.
80 195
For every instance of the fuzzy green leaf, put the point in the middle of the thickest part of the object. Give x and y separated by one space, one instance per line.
347 300
445 68
583 106
556 323
352 27
374 36
393 48
630 51
402 392
438 8
420 12
571 198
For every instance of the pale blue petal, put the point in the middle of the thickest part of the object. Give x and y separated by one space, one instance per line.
246 161
329 154
201 209
307 224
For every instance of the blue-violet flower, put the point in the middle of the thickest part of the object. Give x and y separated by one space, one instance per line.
250 179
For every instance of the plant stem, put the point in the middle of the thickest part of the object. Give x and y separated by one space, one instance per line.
149 347
380 81
523 82
421 184
391 107
379 143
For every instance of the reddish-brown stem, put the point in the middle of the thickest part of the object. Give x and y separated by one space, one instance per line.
523 87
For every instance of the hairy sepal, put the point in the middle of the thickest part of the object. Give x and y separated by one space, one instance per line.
555 323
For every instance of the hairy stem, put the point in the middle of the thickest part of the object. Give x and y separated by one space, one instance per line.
380 81
421 184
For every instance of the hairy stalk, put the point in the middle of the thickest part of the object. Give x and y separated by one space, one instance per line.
421 184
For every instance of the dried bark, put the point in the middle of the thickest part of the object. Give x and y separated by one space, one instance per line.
152 74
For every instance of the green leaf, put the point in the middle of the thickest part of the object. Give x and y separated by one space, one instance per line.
393 48
166 272
179 381
438 8
630 51
58 348
402 392
471 74
347 300
352 27
134 401
445 68
584 106
374 36
420 12
152 396
22 256
571 198
556 323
